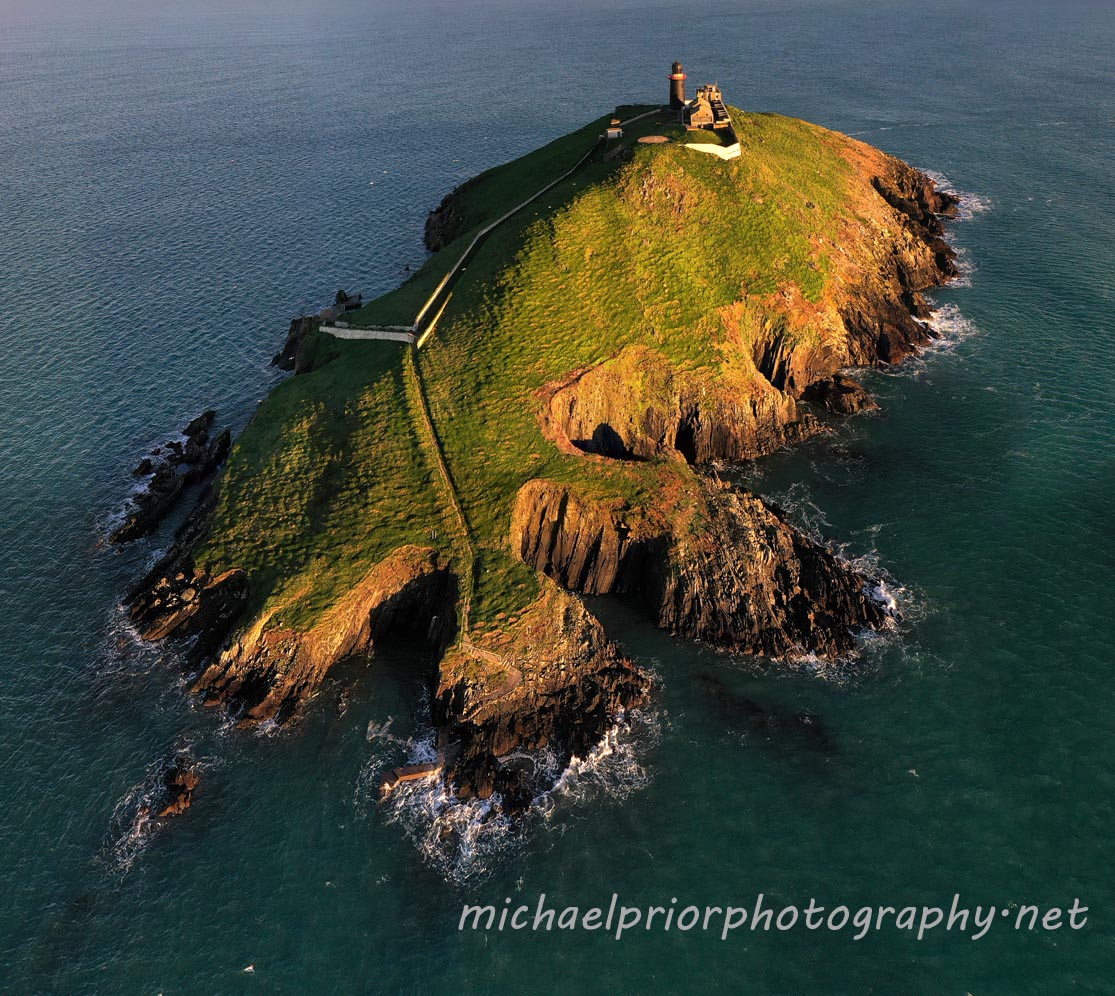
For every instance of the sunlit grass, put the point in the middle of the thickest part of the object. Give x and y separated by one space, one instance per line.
646 249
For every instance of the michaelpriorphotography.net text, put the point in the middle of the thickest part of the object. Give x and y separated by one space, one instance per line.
920 921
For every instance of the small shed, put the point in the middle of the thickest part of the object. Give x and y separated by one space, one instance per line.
612 133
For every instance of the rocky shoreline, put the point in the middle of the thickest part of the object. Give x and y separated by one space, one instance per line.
168 471
708 561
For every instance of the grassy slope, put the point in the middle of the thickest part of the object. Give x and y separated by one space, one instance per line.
489 196
648 249
325 482
647 253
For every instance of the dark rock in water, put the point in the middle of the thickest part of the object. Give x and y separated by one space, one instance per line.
200 426
179 783
343 700
573 684
287 358
841 395
175 596
172 468
733 708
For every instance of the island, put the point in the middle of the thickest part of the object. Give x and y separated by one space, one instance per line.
538 414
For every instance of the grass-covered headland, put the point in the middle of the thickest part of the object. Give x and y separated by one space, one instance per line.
656 310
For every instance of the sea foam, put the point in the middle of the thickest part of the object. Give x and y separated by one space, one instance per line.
467 840
970 204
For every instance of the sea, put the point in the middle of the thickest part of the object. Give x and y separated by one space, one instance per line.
177 180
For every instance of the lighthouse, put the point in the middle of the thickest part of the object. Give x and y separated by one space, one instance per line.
677 87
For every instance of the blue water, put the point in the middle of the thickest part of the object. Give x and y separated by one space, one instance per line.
176 183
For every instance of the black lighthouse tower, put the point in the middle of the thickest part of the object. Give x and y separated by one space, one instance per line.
677 87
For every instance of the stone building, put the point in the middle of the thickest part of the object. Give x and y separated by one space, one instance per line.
707 109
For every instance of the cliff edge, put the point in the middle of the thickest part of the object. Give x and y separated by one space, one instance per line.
653 313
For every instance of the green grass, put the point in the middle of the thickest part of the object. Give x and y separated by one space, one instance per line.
646 249
484 199
326 481
642 254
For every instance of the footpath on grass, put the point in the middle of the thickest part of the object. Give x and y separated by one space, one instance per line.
416 334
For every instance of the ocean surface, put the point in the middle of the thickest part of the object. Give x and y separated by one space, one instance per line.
178 180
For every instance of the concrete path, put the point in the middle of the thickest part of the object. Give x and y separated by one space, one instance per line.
393 333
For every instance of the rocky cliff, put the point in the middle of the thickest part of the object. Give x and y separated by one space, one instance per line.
269 671
168 471
580 460
714 563
558 684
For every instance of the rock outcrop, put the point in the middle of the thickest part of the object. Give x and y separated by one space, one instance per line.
841 395
636 407
560 685
178 785
292 357
445 222
270 670
170 470
720 566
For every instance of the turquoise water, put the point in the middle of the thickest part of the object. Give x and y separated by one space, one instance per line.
175 185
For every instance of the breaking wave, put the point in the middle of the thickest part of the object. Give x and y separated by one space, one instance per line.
951 327
613 768
970 204
123 649
465 841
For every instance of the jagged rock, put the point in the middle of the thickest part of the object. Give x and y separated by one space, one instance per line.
574 682
195 605
179 784
636 407
289 357
444 223
200 426
270 675
175 597
914 194
172 467
721 566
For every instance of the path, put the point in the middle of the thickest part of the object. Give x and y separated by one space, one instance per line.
413 375
418 389
414 334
